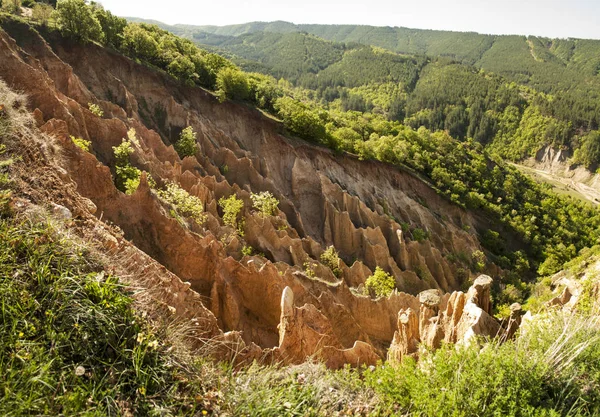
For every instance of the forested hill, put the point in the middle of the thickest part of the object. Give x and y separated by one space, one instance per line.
545 63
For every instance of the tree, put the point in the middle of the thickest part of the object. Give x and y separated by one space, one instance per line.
112 26
232 84
588 153
42 12
138 42
77 20
183 68
186 145
12 6
301 119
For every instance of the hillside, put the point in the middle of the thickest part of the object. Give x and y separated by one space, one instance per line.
536 61
180 237
527 101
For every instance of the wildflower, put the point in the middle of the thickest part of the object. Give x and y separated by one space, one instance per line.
80 371
153 344
142 390
204 412
140 337
21 334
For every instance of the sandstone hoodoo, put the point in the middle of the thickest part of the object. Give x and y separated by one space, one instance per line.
181 237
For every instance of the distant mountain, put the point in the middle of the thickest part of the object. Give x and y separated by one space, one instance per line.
549 65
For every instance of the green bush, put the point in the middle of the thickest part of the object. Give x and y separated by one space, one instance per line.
186 145
127 177
265 203
232 84
232 207
419 234
84 145
95 109
380 284
185 204
331 259
42 12
12 6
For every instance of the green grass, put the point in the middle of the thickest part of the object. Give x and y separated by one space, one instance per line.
70 340
552 370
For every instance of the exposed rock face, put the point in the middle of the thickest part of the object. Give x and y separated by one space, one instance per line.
455 318
306 333
325 199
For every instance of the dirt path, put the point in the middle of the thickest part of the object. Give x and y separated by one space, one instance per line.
565 186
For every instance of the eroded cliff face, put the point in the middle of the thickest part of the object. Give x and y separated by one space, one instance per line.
325 199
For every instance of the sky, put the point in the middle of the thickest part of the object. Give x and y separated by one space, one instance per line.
551 18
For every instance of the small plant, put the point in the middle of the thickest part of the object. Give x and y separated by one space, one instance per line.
232 207
184 203
132 136
127 177
380 283
419 234
186 145
331 259
247 250
84 145
95 109
224 169
309 269
265 203
478 260
5 194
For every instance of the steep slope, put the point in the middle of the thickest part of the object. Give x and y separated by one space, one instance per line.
325 199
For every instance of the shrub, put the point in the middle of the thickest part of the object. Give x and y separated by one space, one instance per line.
419 234
185 204
127 177
132 136
331 259
186 145
309 269
95 109
232 84
478 260
42 12
82 144
232 206
380 283
12 6
77 20
265 203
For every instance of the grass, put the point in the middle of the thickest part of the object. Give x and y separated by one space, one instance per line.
70 339
551 370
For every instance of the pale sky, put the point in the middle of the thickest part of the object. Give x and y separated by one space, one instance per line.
551 18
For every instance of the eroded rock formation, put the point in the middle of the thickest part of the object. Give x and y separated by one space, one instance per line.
457 318
325 199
